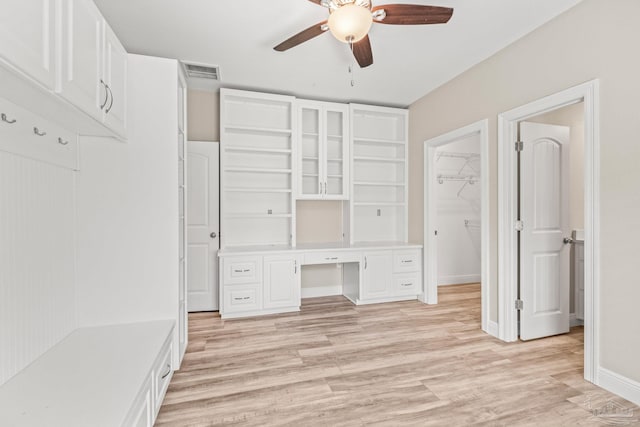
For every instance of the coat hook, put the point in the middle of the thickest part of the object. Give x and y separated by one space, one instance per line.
3 116
38 132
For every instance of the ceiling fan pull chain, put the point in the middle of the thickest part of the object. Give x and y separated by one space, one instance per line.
351 67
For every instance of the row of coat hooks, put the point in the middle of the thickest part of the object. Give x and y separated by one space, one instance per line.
37 131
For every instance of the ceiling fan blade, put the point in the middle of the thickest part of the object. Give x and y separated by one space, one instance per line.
318 2
362 52
413 14
302 36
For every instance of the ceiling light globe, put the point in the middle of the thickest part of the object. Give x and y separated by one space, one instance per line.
350 23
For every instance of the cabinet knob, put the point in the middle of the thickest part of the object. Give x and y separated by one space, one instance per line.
213 235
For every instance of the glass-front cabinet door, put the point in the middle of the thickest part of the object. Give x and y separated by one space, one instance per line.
324 151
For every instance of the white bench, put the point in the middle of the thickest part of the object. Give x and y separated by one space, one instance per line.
100 376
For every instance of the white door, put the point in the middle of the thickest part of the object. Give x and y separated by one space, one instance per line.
203 219
544 212
26 37
82 57
336 152
115 77
377 275
281 282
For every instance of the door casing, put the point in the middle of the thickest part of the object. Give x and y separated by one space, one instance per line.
588 93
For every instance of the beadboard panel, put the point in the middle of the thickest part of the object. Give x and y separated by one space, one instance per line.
37 260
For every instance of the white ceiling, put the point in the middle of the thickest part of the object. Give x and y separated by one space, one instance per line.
239 35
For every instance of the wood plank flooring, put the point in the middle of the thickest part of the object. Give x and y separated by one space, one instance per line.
396 364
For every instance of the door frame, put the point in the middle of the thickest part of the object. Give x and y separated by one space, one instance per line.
588 93
430 295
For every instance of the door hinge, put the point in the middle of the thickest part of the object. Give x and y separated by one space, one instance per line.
519 146
519 225
519 304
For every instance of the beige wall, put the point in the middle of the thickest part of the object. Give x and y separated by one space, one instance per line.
592 40
203 115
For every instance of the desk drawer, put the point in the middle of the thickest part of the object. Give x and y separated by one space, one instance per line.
331 257
406 284
406 261
162 373
240 270
242 298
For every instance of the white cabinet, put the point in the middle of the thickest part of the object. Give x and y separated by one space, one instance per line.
323 154
183 324
257 169
27 38
377 275
379 174
93 65
281 282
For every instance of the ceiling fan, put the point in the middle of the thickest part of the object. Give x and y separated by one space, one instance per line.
350 20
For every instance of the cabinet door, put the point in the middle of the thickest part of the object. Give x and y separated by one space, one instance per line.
26 38
310 184
336 150
281 282
115 77
81 80
377 275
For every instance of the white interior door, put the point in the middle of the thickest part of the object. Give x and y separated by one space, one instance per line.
203 225
544 212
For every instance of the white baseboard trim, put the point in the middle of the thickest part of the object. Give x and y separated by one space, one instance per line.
492 328
620 385
573 321
459 279
321 291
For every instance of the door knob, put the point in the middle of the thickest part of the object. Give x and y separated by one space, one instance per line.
568 241
213 235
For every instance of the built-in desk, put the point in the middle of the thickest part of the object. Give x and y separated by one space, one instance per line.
267 279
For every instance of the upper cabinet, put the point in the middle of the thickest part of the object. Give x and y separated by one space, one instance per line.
27 38
70 50
323 155
93 66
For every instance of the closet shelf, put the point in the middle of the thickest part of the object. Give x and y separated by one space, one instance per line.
257 170
462 178
378 159
252 129
380 141
456 155
258 150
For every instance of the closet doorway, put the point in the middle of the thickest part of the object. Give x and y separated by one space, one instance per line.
456 220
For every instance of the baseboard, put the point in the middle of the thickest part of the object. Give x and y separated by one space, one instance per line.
459 279
620 385
492 328
321 291
573 321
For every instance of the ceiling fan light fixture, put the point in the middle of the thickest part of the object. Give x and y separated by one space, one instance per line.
350 23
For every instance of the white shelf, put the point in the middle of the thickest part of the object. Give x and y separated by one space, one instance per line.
256 170
336 137
379 184
377 159
379 204
258 150
255 215
379 141
309 158
257 190
335 160
310 134
253 129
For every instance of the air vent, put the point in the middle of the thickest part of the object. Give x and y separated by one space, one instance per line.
201 71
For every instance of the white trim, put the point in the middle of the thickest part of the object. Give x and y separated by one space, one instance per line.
321 291
620 385
492 328
507 199
574 321
459 279
430 281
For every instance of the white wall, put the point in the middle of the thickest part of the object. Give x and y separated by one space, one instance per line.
128 207
459 245
37 260
595 39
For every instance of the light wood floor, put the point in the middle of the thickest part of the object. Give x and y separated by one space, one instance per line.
335 364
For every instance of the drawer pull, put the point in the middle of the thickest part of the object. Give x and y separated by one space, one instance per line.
241 298
241 271
38 132
62 141
407 261
246 271
168 371
332 258
406 284
4 118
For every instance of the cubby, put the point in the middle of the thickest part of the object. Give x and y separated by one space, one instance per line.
258 170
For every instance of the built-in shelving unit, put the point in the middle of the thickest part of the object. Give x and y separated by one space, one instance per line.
258 170
182 212
378 209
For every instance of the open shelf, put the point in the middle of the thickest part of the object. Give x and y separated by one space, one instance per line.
258 150
257 190
253 129
379 203
255 215
257 170
378 159
379 141
380 183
